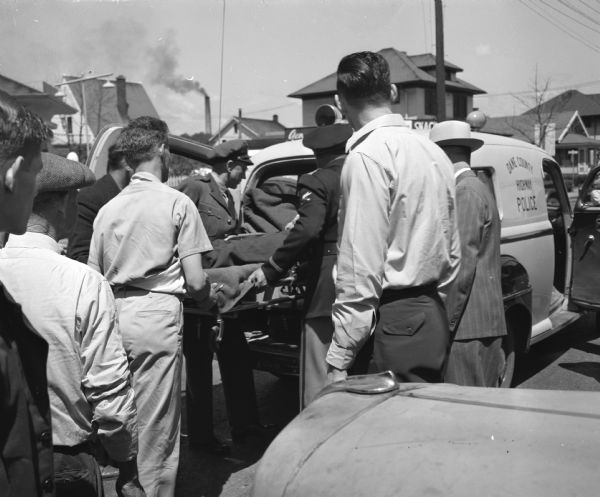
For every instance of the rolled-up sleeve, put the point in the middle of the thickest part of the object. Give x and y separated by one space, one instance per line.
363 227
106 378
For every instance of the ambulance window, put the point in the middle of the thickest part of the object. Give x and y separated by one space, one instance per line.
181 167
591 196
557 201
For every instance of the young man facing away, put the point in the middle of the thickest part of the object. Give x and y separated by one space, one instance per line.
148 242
399 242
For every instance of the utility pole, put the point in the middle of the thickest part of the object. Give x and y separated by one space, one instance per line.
440 70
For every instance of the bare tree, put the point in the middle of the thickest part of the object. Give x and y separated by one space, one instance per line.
541 111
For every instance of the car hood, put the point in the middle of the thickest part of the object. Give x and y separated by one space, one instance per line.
437 439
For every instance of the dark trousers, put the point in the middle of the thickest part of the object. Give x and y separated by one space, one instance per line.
412 337
479 362
236 373
76 472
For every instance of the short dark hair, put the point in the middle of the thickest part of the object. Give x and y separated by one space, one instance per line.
116 158
364 77
141 138
22 133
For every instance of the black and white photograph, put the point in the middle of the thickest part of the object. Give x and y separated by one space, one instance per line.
291 248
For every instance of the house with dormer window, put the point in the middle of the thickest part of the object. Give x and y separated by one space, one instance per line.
415 78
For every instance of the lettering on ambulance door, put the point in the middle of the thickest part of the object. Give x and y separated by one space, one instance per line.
585 239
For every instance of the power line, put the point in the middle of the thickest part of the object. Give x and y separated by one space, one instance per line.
560 27
568 16
585 15
270 109
589 6
524 92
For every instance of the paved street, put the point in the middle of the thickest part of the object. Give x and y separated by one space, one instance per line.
569 360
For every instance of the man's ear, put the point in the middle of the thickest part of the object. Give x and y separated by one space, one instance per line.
11 172
229 165
393 93
338 103
161 149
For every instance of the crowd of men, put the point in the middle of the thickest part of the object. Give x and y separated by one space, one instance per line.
403 245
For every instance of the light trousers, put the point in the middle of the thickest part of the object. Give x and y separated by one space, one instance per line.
315 340
151 325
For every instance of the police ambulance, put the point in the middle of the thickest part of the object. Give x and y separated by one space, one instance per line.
550 253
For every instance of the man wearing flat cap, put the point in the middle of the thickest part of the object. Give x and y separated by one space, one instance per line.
210 193
474 302
313 240
72 307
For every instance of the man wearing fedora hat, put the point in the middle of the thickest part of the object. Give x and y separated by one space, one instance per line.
72 307
474 302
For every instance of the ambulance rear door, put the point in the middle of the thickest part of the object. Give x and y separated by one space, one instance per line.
585 239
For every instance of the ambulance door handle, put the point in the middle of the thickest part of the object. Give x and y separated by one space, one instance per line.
588 243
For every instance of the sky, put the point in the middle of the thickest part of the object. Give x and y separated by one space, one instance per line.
272 48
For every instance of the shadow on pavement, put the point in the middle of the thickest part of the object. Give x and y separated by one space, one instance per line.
541 355
202 474
588 368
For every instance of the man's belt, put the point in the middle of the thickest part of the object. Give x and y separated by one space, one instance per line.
392 294
73 450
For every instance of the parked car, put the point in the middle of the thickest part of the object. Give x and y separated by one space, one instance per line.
369 436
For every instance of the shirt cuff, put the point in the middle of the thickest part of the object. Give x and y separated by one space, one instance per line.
339 357
272 271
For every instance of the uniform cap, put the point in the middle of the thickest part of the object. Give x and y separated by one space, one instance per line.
232 150
59 174
457 133
328 137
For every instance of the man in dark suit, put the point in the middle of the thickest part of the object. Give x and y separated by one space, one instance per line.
474 302
210 193
91 199
312 240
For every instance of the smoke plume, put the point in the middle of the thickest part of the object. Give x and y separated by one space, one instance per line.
164 64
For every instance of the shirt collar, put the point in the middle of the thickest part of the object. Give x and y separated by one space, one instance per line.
459 168
379 122
33 240
145 176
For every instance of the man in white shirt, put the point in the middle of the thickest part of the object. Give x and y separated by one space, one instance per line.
398 237
148 242
72 307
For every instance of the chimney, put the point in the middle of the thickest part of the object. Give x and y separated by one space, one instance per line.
275 118
207 117
122 105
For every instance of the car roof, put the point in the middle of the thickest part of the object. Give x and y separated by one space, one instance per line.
294 148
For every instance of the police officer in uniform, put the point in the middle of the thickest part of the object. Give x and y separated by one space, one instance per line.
215 204
313 239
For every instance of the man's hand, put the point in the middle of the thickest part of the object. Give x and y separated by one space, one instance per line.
128 484
334 374
258 278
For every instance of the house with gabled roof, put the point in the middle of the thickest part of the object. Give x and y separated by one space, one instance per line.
572 145
258 132
43 103
415 78
588 107
99 102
